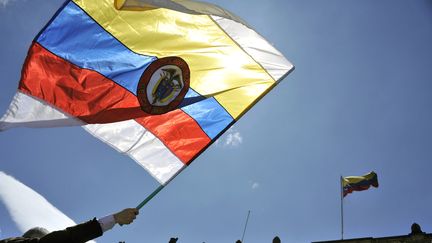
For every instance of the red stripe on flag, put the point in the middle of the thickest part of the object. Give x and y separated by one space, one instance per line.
181 133
82 93
93 98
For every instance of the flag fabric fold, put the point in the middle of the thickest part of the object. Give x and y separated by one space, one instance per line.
185 6
359 183
160 83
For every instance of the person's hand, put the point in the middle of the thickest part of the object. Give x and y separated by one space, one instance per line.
126 216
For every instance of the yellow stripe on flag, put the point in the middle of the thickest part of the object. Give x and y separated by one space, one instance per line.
218 65
356 179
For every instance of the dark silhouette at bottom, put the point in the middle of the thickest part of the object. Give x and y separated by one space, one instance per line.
173 240
276 239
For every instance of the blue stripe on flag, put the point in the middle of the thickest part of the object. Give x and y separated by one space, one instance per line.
208 113
75 37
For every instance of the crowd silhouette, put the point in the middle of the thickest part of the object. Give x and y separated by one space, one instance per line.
276 239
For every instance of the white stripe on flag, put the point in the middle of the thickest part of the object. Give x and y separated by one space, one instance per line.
266 55
127 137
131 138
28 111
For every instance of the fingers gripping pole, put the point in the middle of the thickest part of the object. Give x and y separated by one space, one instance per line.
150 197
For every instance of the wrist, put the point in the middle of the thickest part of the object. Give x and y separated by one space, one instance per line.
107 222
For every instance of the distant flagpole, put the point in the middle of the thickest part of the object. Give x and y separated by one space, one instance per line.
342 218
244 231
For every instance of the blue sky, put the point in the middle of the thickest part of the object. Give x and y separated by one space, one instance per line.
359 100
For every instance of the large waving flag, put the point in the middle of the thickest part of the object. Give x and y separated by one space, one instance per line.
359 183
157 80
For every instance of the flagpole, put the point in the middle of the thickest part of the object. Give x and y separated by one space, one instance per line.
244 231
342 218
150 197
153 194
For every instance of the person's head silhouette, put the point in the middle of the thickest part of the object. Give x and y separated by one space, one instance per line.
36 232
276 240
173 240
416 229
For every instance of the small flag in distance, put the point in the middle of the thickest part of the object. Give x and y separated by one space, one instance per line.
359 183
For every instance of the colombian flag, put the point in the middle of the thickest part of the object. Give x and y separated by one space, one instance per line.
359 183
159 81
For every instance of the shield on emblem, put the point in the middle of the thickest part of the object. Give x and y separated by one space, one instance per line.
163 85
